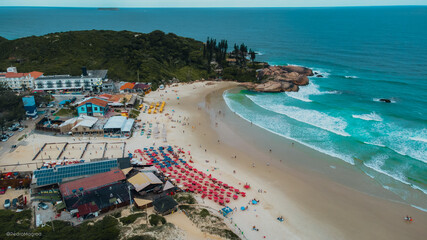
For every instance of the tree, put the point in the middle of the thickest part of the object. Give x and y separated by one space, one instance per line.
252 55
124 101
2 125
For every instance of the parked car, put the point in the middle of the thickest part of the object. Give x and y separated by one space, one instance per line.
14 203
4 139
6 203
43 205
13 146
20 129
10 134
2 190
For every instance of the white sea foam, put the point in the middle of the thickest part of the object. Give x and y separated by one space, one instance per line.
305 92
330 152
419 139
369 117
351 76
419 208
401 139
376 164
325 73
375 144
321 120
259 53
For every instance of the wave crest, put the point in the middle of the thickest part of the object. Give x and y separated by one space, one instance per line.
321 120
305 92
369 117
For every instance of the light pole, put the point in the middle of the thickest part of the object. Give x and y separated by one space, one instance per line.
130 199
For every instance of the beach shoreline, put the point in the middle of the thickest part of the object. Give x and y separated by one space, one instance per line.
334 209
292 180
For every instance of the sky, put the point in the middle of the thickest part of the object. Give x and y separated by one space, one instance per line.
208 3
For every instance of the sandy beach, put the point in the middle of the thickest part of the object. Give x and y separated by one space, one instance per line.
316 201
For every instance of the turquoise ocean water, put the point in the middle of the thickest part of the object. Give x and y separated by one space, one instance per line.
363 53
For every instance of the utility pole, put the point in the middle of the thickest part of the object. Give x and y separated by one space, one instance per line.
130 199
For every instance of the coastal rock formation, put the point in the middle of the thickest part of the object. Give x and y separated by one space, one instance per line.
281 79
385 100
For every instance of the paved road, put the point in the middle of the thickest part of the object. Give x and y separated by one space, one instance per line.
6 147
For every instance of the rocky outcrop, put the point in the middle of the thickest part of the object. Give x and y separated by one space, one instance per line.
280 79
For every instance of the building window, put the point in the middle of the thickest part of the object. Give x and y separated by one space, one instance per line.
68 83
49 84
59 84
96 108
77 83
40 85
82 109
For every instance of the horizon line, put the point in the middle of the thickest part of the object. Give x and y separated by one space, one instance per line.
338 6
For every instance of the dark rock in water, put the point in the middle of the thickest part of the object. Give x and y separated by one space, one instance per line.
385 100
315 73
320 76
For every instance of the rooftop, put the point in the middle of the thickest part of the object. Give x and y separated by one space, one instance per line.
119 122
95 101
92 182
127 86
143 180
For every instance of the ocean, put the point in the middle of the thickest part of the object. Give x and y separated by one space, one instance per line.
363 53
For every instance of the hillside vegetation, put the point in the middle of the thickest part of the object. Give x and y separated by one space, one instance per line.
156 56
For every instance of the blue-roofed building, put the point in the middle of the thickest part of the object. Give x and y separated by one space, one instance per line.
30 106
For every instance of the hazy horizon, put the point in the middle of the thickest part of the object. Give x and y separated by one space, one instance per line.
207 3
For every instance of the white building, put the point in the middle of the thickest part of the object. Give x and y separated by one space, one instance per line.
89 81
19 81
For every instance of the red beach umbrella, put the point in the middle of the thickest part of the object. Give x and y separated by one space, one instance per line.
228 194
227 200
235 197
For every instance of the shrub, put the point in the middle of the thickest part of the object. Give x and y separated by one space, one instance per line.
117 214
131 218
155 219
204 213
142 237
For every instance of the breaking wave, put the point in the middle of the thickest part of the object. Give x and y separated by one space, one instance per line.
369 117
321 120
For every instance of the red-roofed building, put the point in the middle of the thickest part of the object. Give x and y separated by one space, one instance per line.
19 81
96 194
87 208
127 87
93 107
91 183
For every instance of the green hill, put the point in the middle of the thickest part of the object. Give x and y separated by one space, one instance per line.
156 55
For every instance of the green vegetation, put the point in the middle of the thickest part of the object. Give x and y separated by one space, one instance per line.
14 222
66 112
131 218
204 213
142 237
22 137
105 229
12 107
155 219
117 214
184 198
155 56
134 113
